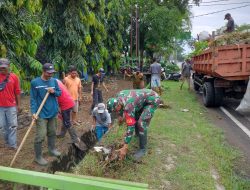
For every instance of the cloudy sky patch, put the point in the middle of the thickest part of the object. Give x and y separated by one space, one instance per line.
216 20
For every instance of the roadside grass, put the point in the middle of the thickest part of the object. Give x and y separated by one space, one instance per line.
183 149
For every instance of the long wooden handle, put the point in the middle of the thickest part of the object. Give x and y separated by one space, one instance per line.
29 129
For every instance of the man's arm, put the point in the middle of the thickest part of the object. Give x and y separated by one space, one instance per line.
130 121
126 74
103 84
80 90
33 95
57 91
18 102
93 120
17 91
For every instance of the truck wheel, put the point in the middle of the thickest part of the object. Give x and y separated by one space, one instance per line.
208 94
196 86
218 97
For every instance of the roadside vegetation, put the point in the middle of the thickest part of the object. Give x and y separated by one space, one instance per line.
185 150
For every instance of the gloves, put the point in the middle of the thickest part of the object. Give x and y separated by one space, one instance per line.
123 151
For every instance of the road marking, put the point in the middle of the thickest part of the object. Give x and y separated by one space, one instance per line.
239 124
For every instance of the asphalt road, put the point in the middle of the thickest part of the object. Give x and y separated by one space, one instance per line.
234 135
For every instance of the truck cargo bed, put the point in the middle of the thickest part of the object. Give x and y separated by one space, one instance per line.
231 62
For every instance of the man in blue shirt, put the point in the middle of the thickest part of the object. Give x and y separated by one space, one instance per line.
46 121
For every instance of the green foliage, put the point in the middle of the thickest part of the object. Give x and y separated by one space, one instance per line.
199 47
80 41
115 26
243 27
19 35
171 68
161 24
87 34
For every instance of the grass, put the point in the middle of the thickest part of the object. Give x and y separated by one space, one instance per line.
183 149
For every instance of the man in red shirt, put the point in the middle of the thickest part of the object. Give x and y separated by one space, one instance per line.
9 103
66 104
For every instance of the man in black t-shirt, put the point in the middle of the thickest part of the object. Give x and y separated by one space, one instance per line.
96 88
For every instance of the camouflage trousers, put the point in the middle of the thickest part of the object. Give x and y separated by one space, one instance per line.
143 119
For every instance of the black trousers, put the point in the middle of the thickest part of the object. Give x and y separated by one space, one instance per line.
97 98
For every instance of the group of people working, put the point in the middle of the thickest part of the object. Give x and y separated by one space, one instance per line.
135 107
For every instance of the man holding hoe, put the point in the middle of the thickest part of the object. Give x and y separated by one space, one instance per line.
47 119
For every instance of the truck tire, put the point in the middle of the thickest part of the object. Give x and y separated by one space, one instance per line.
208 94
218 96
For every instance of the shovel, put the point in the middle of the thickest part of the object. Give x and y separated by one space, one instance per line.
29 129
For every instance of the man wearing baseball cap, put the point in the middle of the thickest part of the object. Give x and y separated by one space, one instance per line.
46 121
9 103
96 88
230 23
101 120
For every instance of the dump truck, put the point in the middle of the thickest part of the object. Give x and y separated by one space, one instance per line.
221 72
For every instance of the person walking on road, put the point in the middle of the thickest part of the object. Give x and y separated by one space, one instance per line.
96 88
9 103
73 84
155 70
137 107
186 73
101 120
47 120
66 104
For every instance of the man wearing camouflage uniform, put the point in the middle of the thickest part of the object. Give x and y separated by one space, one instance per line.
137 107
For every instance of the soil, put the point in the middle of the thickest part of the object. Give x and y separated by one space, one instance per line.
25 159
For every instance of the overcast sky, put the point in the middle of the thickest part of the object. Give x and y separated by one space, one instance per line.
213 21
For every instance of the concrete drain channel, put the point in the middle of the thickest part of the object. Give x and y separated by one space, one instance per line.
74 155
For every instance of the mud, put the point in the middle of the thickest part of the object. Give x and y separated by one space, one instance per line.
74 155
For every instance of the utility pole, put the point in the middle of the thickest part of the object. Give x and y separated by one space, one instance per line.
131 36
136 34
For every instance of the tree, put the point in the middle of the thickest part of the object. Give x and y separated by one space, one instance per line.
19 35
162 23
74 33
115 27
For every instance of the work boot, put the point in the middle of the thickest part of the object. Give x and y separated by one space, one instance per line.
62 133
143 144
51 146
38 155
73 135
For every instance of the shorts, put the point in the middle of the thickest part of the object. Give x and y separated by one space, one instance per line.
76 106
155 81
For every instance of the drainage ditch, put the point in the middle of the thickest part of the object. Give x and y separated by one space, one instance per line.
74 155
